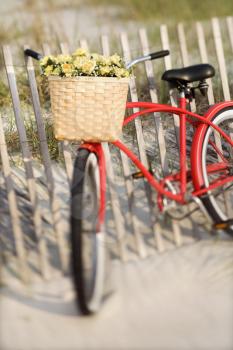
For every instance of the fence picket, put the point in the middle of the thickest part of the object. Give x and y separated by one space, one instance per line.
13 208
158 124
27 159
154 98
204 57
134 97
230 30
129 187
141 144
118 217
63 144
221 58
168 65
54 205
183 44
185 55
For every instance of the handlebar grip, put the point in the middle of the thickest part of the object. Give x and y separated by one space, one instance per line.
33 54
159 54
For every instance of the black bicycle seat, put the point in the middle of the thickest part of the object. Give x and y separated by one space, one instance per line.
189 74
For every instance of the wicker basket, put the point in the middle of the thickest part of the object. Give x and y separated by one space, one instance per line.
88 108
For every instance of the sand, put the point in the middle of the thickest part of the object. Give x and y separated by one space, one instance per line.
181 299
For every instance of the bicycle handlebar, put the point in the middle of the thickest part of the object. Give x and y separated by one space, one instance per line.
159 54
33 54
151 56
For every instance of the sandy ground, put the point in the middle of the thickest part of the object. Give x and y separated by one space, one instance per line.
181 299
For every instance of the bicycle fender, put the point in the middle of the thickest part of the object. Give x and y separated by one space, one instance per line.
98 150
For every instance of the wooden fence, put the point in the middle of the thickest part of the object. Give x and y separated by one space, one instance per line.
131 235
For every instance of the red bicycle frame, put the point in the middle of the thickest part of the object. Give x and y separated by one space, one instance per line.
183 176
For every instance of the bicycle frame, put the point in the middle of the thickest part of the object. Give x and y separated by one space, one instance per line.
184 175
182 112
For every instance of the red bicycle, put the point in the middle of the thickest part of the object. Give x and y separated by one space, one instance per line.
210 174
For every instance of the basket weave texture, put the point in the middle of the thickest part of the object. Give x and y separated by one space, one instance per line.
88 108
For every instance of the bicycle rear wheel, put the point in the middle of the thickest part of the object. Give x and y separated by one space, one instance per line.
87 243
216 152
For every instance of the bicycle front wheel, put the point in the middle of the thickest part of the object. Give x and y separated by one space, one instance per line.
87 243
217 165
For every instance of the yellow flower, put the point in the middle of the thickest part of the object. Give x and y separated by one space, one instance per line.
44 61
63 59
83 63
105 70
79 61
116 60
56 71
121 72
106 61
67 68
48 70
101 60
88 67
80 52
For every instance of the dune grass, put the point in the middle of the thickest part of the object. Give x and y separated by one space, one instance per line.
169 10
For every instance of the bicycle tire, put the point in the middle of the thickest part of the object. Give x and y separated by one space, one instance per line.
87 266
215 202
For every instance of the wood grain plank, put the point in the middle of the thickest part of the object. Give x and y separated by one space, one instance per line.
168 65
65 145
158 126
27 159
230 30
185 55
142 152
204 58
54 203
23 269
221 58
132 220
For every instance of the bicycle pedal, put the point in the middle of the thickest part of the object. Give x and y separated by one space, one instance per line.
140 174
223 225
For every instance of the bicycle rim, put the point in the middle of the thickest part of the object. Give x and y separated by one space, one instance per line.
216 150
